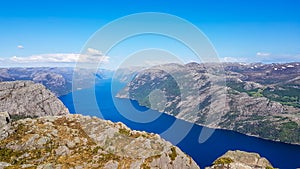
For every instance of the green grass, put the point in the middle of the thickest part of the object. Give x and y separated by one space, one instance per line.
15 117
223 160
285 95
9 155
173 154
124 131
288 132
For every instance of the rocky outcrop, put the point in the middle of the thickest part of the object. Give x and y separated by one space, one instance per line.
76 141
27 99
5 127
233 97
241 160
4 119
73 141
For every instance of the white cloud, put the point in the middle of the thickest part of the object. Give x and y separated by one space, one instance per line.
159 62
93 56
233 59
263 54
280 58
92 51
264 57
20 47
44 58
90 56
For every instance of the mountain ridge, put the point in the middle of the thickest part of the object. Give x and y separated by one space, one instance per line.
247 98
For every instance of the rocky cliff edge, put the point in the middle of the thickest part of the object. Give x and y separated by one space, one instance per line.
29 99
76 141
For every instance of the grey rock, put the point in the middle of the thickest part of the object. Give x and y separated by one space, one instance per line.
244 160
46 166
94 147
71 144
4 119
41 141
27 165
5 125
111 165
35 138
4 164
25 98
62 150
78 167
252 85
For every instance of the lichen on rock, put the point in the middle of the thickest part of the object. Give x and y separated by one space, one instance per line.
76 141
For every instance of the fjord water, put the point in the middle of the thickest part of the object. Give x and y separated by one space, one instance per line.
281 155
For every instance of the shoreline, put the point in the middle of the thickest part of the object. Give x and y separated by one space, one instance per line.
219 128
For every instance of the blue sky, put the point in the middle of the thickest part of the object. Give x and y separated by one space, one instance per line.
249 30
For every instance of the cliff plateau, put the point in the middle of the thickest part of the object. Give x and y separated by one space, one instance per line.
27 99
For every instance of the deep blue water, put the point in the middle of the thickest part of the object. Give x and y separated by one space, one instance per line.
281 155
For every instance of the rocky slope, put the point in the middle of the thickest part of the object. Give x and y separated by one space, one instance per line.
254 99
27 99
241 160
76 141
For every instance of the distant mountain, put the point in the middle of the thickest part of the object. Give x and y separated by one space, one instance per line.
58 80
254 99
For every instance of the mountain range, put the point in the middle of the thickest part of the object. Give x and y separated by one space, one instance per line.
251 98
254 99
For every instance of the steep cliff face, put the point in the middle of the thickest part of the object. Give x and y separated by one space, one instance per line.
27 99
241 160
255 99
75 141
